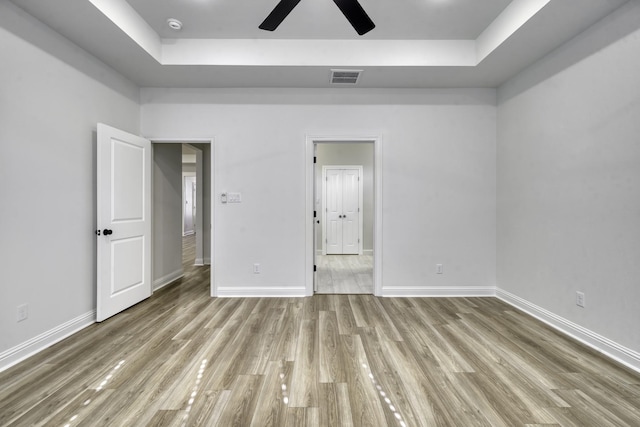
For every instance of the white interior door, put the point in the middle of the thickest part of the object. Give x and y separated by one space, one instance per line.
333 211
350 212
189 205
343 200
124 220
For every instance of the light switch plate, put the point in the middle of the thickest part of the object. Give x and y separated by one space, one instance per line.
234 197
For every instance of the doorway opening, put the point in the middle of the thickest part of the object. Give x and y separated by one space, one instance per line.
344 204
182 209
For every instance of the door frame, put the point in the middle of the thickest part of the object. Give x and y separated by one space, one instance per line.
199 218
325 168
310 250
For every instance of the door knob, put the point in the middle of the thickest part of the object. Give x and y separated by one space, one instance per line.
107 232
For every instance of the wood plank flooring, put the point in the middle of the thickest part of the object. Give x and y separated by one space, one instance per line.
182 358
344 274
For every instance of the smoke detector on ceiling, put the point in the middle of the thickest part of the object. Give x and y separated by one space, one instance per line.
174 24
345 77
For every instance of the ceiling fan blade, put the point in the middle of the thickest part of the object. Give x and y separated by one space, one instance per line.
278 14
356 15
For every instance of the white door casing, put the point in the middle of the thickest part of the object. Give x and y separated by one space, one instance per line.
311 204
124 212
342 196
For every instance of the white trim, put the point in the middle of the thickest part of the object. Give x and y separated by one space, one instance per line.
607 347
261 292
367 252
163 281
198 261
311 140
439 291
36 344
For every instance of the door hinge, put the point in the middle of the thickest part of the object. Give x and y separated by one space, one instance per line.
314 214
315 268
358 240
315 159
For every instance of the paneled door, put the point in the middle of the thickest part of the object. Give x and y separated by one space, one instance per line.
343 206
124 220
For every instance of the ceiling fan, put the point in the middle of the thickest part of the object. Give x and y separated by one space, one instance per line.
351 9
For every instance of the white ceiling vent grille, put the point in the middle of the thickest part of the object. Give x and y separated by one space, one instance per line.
345 77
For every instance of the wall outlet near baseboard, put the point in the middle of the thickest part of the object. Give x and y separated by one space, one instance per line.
22 312
439 269
256 268
580 299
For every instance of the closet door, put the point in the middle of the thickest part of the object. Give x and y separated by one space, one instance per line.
333 211
350 212
342 211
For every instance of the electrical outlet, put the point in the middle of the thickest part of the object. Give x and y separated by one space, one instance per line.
439 269
22 312
580 299
256 268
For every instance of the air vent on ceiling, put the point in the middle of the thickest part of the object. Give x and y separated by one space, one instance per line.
347 77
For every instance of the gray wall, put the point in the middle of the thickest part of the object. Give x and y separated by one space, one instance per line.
189 167
438 168
167 213
344 153
569 180
52 95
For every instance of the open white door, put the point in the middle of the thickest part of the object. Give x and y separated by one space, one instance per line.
124 220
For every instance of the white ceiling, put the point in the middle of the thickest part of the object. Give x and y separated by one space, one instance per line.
416 43
321 19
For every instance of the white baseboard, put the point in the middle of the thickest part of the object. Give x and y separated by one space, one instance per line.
438 291
364 252
198 261
260 292
611 349
206 261
35 345
163 281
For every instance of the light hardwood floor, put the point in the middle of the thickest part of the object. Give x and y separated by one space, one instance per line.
182 358
344 274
